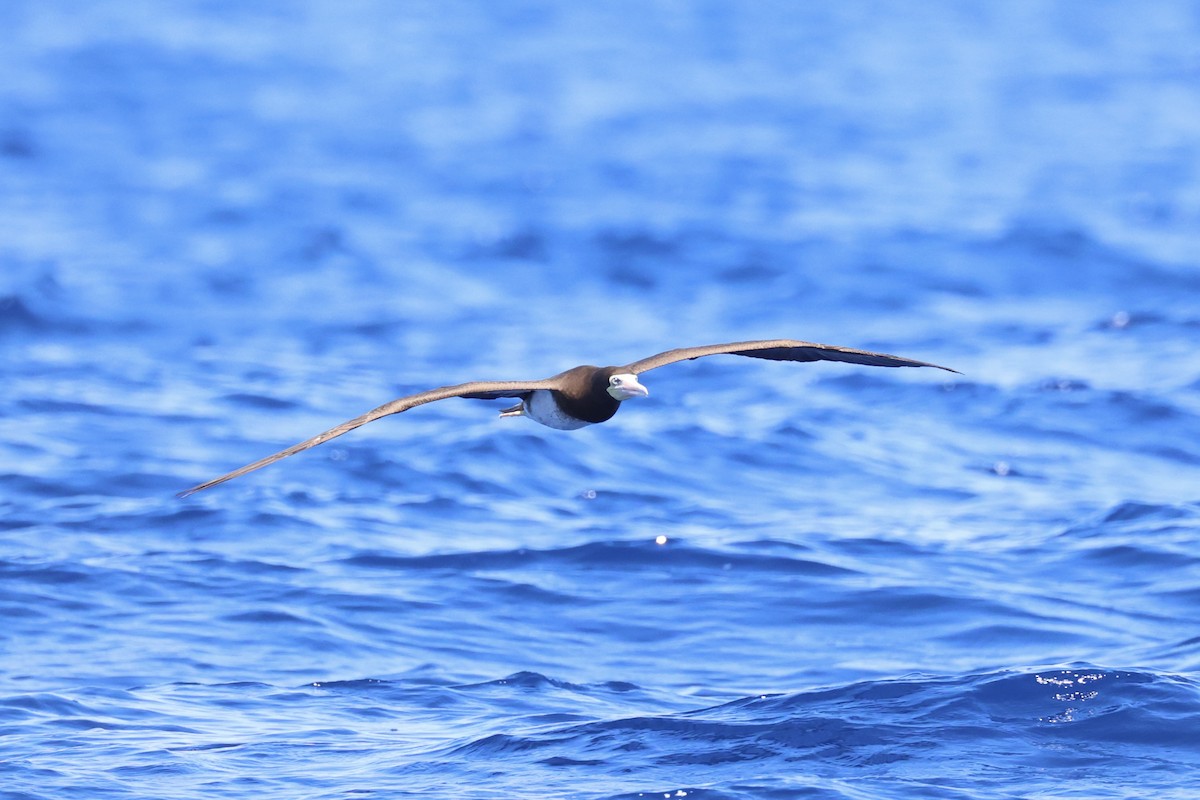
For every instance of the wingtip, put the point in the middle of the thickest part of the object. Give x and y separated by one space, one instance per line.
186 493
913 363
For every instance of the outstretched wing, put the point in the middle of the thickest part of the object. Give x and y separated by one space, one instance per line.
779 350
478 390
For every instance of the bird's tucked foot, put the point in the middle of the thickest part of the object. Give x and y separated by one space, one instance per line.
516 411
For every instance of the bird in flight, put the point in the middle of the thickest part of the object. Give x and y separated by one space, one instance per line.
584 395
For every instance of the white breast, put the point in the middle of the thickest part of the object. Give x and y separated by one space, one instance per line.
542 408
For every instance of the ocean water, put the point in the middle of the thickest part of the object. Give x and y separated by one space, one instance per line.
225 227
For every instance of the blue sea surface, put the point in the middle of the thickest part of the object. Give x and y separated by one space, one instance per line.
226 227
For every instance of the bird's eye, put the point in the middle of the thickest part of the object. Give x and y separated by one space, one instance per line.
615 381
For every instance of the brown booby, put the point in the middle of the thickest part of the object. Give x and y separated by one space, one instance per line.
585 395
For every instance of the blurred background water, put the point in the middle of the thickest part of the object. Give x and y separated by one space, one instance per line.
225 227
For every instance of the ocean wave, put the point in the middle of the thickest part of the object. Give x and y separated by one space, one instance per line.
1020 720
620 554
894 733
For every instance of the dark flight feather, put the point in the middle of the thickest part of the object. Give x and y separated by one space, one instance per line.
779 350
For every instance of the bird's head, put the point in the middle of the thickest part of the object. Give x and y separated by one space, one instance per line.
624 385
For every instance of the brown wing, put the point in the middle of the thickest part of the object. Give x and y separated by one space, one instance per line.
478 390
779 350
